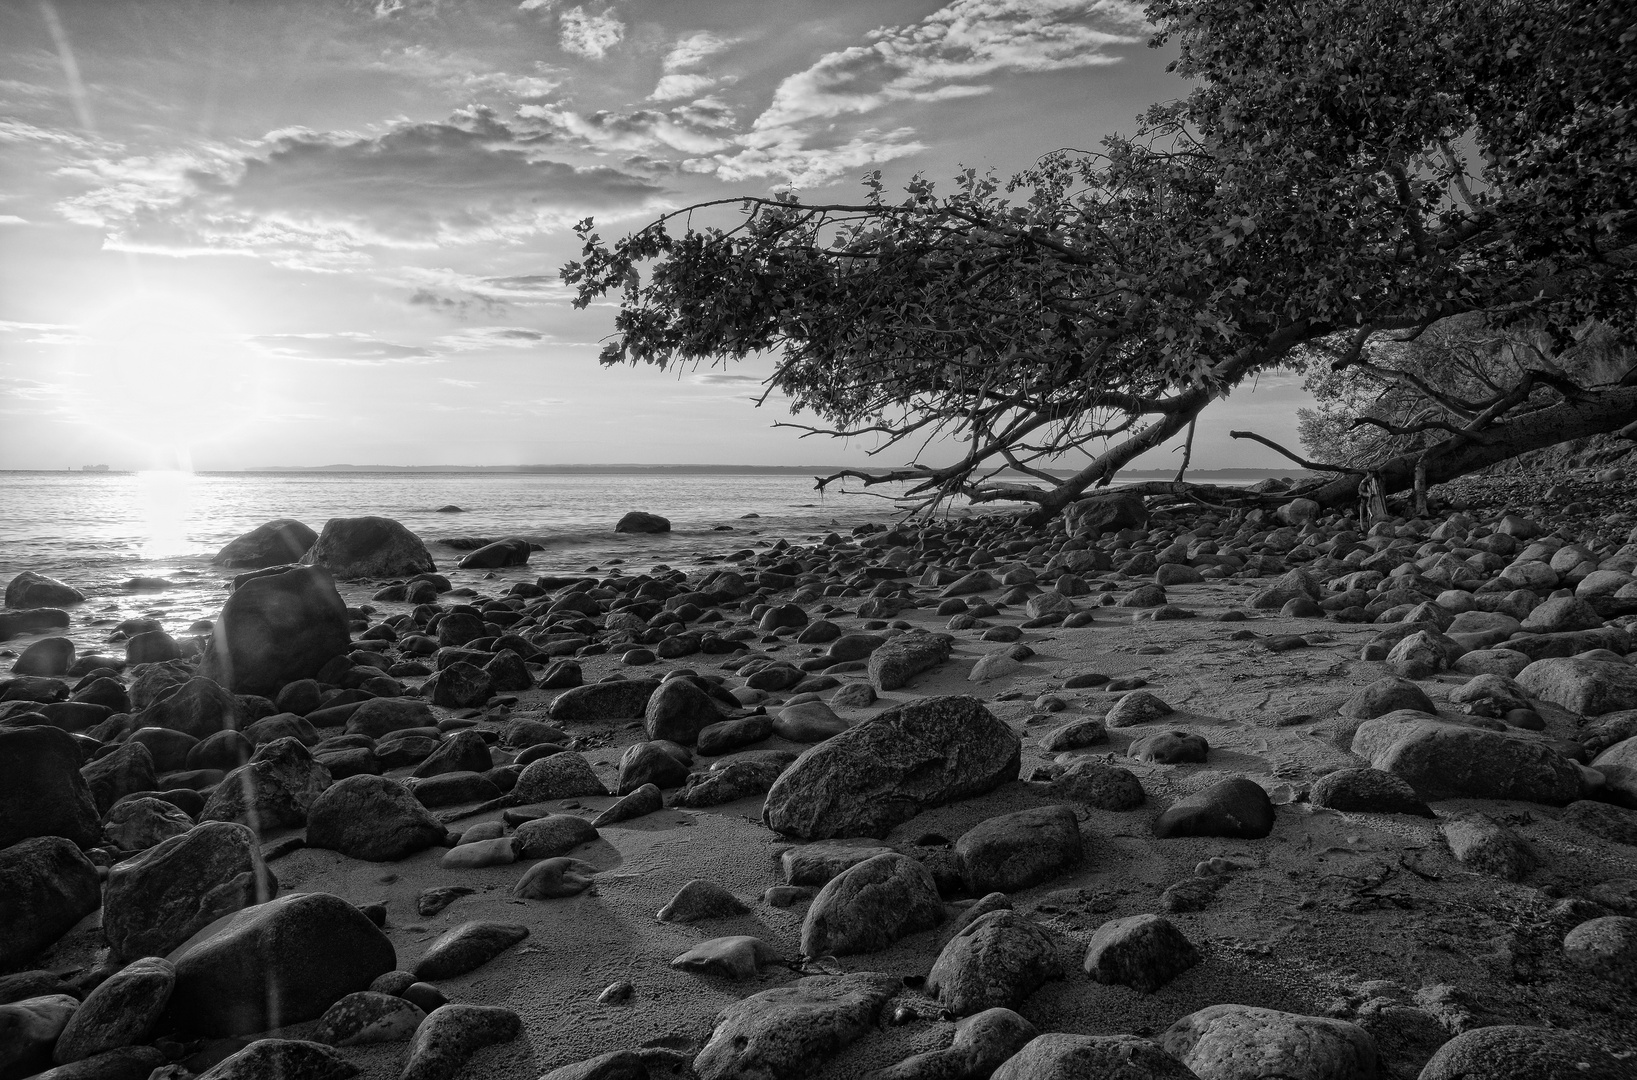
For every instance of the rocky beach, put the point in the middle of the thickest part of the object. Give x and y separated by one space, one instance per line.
1146 792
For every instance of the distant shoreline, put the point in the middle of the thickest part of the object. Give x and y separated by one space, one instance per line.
1196 475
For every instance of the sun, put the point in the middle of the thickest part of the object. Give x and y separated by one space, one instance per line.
168 371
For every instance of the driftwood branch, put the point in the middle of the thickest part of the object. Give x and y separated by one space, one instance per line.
1317 466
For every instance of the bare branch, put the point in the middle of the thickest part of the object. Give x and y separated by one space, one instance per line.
1317 466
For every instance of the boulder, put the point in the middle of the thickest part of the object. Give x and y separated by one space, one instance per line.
1369 791
1143 952
128 769
123 1010
869 906
982 1042
1523 1053
28 1030
199 707
31 590
638 521
368 1016
1098 514
451 1034
1236 807
380 717
140 823
165 895
466 948
622 699
510 552
278 963
1387 695
1060 1056
372 818
789 1031
1587 687
1104 787
1441 759
33 621
46 886
995 961
41 790
368 547
278 1059
565 775
891 767
49 657
1228 1042
275 790
277 628
678 711
894 664
1020 849
552 835
275 543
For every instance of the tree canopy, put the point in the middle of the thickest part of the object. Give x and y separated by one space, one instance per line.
1337 171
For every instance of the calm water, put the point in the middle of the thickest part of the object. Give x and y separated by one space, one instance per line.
99 531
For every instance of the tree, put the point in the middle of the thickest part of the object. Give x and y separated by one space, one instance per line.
1340 171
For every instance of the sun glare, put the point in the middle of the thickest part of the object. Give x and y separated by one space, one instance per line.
168 373
167 503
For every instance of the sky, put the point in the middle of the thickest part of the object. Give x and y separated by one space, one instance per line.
305 233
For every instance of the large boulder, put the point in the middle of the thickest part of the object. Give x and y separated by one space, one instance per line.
373 818
1014 851
1227 1042
1587 687
995 961
869 906
273 791
199 707
1442 760
41 790
31 590
891 767
1523 1053
1104 513
898 661
1058 1055
621 699
46 886
369 547
282 962
789 1031
280 541
122 1011
32 621
277 628
638 521
125 771
165 895
509 552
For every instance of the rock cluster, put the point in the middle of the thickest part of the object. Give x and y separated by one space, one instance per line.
1438 742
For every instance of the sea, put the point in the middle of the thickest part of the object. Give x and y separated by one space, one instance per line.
140 544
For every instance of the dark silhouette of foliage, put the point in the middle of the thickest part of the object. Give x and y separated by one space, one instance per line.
1340 172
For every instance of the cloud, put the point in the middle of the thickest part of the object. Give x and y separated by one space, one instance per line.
948 53
588 35
343 348
463 73
12 219
696 128
483 338
672 87
723 378
461 293
943 57
689 52
316 199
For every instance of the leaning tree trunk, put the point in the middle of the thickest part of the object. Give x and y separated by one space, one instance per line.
1594 413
